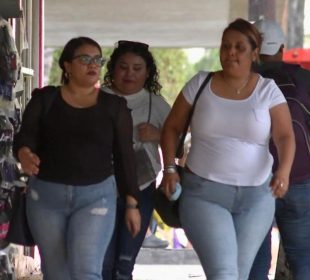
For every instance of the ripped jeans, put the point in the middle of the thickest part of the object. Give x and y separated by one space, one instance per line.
72 226
123 249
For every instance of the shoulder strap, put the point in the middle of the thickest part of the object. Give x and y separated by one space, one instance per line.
150 107
179 152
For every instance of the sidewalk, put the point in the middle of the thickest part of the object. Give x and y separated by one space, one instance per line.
171 272
178 264
157 272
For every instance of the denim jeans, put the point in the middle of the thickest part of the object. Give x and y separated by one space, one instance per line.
226 224
72 226
123 249
293 220
262 262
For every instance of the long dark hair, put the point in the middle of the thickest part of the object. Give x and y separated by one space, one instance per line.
69 52
151 84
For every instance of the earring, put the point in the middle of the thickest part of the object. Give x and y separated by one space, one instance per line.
67 75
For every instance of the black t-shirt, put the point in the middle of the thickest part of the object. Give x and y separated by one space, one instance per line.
81 146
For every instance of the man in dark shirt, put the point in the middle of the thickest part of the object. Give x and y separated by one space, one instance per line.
292 211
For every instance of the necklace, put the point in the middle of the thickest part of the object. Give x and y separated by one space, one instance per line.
237 90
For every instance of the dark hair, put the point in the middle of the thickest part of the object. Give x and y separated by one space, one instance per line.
69 52
141 49
249 30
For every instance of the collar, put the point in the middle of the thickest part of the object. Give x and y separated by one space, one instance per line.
130 97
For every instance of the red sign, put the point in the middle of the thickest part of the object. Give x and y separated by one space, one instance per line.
298 56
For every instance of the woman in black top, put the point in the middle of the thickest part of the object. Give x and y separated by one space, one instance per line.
70 149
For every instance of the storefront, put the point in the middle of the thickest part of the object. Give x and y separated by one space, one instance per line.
21 51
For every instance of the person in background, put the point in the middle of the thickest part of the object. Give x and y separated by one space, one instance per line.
151 240
67 152
293 210
132 74
227 203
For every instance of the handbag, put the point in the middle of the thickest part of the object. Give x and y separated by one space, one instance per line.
145 170
169 210
19 231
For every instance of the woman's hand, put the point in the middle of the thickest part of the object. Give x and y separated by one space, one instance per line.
284 140
168 183
148 133
279 184
29 161
133 220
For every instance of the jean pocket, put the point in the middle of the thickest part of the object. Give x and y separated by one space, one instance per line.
296 202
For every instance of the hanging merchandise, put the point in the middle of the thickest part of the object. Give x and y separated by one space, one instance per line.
6 136
7 161
10 67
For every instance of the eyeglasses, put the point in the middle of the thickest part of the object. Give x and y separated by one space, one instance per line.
132 44
87 59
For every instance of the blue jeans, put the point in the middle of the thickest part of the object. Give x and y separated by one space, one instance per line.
261 265
226 224
72 226
123 249
293 220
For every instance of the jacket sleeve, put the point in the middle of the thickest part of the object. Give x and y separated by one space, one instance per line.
28 134
123 152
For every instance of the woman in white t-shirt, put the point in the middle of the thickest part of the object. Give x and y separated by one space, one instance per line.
227 203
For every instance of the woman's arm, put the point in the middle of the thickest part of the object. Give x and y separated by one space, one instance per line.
173 127
132 215
148 132
283 137
27 139
125 170
29 161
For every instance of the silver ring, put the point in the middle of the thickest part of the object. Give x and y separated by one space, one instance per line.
281 185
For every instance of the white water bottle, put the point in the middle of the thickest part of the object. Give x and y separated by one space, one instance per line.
177 192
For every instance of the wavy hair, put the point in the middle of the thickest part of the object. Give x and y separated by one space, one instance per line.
140 49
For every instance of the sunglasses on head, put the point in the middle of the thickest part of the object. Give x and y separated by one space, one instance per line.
132 43
87 59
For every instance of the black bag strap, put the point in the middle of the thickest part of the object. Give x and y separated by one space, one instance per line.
150 108
179 152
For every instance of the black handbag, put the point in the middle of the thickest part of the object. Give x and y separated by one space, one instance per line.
145 170
19 231
169 210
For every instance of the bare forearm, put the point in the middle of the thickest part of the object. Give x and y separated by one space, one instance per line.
169 141
286 152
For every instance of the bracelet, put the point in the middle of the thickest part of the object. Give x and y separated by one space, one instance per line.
170 169
132 206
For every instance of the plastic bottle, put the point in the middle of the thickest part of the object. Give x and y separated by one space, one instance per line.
177 192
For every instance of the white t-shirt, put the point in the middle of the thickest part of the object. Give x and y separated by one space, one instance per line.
230 138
